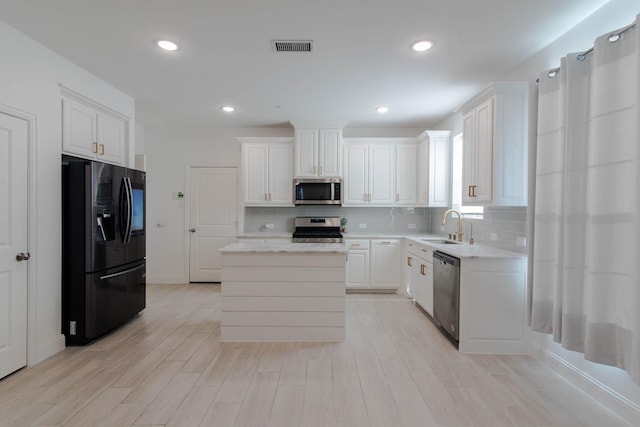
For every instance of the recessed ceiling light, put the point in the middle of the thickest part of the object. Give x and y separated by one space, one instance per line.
228 109
382 110
422 45
167 45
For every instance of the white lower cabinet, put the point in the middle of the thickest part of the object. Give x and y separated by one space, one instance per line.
385 263
424 279
358 263
374 264
410 268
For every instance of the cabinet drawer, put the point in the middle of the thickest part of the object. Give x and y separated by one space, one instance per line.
412 248
357 244
426 253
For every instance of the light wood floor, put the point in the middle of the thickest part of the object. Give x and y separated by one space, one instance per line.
168 367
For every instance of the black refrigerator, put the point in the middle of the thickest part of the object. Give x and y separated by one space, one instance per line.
103 247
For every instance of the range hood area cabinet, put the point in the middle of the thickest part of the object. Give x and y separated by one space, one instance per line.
267 171
317 152
495 132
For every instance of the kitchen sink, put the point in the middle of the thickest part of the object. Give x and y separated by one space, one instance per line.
441 241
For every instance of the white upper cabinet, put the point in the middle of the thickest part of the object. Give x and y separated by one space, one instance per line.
317 152
368 175
439 168
94 132
267 171
434 168
495 136
407 175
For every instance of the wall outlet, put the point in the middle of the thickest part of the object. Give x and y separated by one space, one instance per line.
493 236
521 241
363 225
269 226
412 226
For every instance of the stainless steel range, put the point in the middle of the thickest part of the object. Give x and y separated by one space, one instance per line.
317 230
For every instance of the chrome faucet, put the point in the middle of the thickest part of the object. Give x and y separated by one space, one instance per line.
444 220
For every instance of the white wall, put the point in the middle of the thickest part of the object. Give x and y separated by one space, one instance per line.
170 151
30 75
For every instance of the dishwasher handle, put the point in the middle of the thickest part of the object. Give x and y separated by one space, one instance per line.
445 258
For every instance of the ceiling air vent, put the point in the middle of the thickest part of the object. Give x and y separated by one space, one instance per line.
292 45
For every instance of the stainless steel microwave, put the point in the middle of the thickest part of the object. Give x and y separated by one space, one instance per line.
320 191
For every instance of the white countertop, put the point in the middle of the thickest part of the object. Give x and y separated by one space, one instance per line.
257 247
466 250
460 250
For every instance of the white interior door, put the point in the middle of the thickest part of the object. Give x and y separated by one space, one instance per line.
13 240
213 210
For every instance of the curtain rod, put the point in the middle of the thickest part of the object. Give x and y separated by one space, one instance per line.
613 37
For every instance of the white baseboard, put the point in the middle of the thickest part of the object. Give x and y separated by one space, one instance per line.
167 279
48 350
612 400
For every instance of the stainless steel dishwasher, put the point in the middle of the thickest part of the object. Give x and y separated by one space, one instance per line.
446 293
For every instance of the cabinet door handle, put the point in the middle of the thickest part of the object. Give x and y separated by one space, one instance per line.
369 196
409 261
319 170
423 250
397 197
102 149
422 269
95 148
266 199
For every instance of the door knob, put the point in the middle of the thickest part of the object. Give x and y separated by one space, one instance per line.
193 230
23 257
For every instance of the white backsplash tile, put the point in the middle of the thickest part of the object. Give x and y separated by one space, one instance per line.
508 223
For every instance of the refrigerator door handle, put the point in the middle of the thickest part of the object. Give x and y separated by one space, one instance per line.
126 197
129 209
109 276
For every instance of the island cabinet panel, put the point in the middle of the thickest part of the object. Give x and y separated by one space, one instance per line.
283 296
493 306
296 289
284 274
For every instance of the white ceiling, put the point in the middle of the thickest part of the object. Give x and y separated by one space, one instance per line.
361 56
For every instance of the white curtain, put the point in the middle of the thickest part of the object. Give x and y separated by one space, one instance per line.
586 257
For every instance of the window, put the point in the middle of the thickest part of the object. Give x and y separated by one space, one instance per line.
456 185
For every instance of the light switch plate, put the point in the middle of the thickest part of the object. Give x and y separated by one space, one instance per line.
363 225
493 236
412 226
521 241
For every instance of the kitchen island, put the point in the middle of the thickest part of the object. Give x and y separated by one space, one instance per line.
283 291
